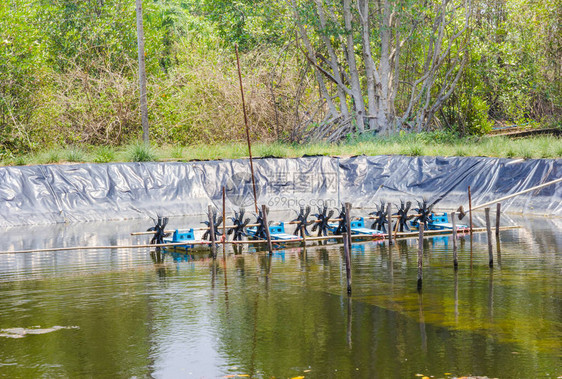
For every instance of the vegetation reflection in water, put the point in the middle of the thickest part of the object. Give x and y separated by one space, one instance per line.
288 315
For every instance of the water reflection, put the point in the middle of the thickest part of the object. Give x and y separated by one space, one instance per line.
491 296
285 315
456 273
499 252
349 322
422 323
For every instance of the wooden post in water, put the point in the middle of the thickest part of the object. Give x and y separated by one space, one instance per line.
348 222
499 252
224 225
455 261
389 215
212 233
347 246
498 213
470 209
347 253
420 257
470 227
303 233
489 231
264 214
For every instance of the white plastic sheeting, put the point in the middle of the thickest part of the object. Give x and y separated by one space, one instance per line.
92 192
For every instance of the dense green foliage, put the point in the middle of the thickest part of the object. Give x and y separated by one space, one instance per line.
68 71
515 70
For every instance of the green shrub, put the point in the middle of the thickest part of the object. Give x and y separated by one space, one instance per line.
75 155
21 160
461 152
526 153
177 152
104 154
53 156
140 152
270 150
415 151
546 153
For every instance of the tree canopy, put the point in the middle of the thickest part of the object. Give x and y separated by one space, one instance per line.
321 69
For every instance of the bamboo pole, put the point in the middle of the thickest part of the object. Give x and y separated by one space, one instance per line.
448 231
396 235
248 242
489 232
455 261
517 193
394 216
247 131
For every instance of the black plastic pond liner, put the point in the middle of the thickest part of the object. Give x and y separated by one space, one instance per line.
89 192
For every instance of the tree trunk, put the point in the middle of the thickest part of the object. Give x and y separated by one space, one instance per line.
370 70
427 81
333 61
353 72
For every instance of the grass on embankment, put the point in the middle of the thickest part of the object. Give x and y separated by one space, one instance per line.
429 144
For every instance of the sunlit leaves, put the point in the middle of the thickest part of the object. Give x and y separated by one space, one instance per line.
245 22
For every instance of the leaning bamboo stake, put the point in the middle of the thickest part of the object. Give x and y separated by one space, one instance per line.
518 193
507 197
247 131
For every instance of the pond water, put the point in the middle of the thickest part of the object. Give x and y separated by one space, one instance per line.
122 313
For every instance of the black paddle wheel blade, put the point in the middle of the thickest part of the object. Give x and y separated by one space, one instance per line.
159 229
